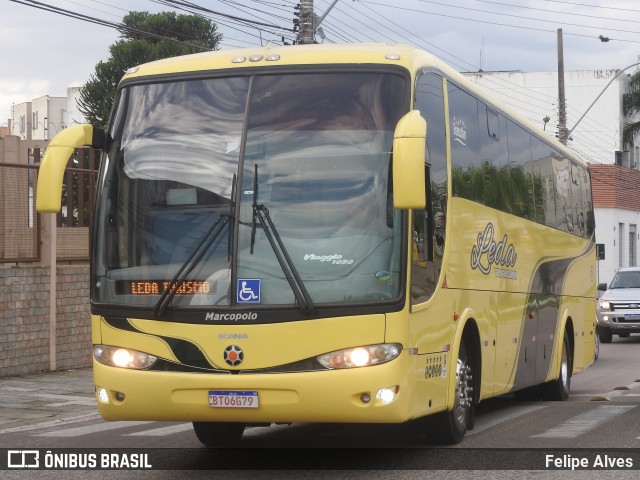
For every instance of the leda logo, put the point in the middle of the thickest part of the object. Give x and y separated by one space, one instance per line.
487 252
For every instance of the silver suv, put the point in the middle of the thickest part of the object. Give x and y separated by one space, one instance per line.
619 305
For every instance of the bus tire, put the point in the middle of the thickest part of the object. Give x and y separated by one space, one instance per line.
218 434
450 426
559 389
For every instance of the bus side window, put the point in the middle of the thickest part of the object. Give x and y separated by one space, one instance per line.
429 223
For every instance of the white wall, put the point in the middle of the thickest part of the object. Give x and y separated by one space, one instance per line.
48 116
21 120
535 95
73 113
608 232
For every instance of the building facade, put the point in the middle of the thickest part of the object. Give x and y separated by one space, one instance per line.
43 117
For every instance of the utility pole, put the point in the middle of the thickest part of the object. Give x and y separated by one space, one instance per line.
306 24
562 104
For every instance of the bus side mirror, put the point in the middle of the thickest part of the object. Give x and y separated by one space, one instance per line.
408 162
600 251
54 163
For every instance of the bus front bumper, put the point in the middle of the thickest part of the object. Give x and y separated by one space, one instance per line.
377 394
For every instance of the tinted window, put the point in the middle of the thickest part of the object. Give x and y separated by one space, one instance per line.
429 223
463 118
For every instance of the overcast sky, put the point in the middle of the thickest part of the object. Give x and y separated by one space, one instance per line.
43 53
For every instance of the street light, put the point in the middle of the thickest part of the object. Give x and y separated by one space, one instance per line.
596 99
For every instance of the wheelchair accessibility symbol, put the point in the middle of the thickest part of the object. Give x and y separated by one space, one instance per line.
248 290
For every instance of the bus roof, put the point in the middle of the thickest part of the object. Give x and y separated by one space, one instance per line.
274 55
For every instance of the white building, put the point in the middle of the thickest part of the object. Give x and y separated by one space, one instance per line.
73 113
48 116
40 119
20 124
43 117
597 138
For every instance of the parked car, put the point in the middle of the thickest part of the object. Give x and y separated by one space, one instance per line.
619 306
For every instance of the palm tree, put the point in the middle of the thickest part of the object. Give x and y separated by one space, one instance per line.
631 107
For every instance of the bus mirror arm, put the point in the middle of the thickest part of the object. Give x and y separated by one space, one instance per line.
408 162
54 163
429 216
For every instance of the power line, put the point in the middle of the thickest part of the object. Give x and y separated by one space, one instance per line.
594 6
572 14
196 7
105 23
495 23
230 21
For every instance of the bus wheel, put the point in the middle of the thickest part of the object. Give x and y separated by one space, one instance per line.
558 390
450 426
214 434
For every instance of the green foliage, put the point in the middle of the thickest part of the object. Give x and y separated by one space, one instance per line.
137 47
631 106
508 188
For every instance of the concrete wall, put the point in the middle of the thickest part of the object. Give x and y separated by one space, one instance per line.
24 319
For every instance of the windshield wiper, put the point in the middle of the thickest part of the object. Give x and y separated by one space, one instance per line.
187 267
261 213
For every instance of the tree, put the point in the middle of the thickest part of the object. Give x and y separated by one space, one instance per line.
631 107
145 37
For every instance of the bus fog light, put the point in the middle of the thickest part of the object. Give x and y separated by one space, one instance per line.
387 395
120 396
103 396
365 398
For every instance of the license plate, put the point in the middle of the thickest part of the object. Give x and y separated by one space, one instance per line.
233 399
632 316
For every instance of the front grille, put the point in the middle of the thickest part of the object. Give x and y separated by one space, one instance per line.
307 365
618 306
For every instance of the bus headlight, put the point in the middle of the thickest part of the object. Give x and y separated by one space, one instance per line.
360 356
123 357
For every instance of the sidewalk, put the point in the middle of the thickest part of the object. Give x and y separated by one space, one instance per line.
35 400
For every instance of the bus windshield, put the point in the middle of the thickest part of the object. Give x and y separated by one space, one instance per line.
193 166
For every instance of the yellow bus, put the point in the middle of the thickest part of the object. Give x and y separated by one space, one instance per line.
316 233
